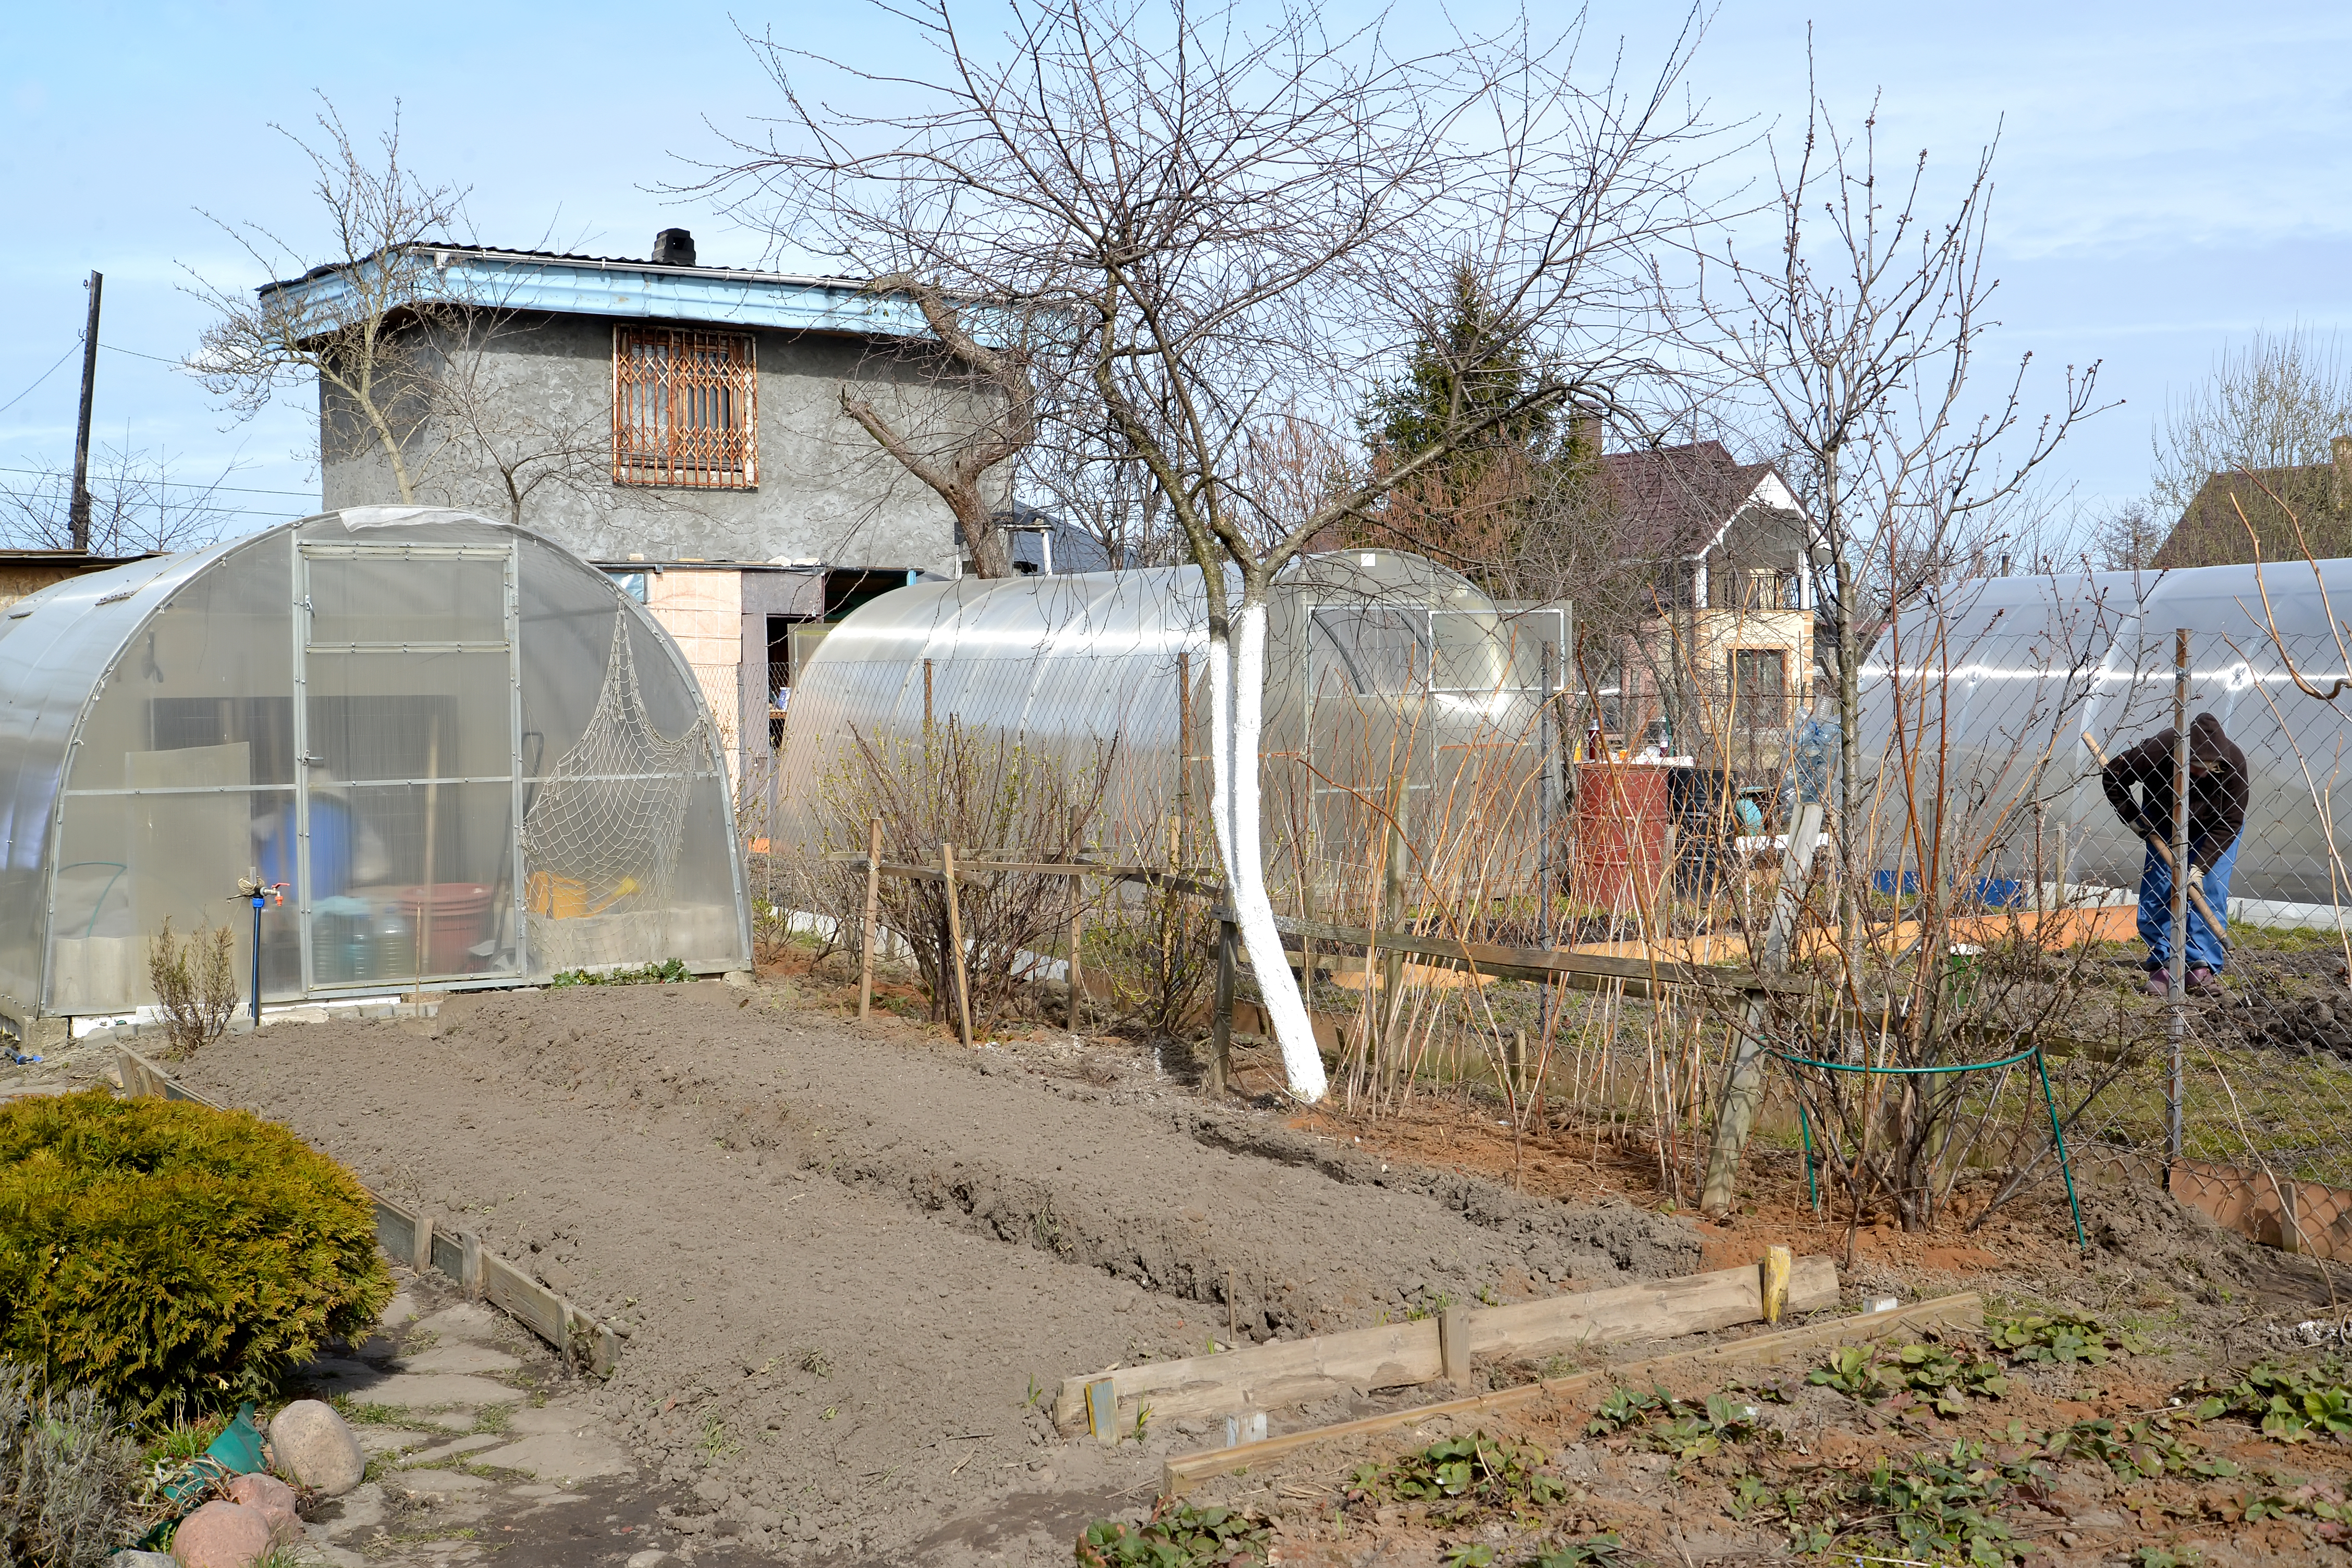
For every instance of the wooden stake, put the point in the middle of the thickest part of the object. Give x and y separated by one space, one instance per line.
873 902
1221 1017
955 944
1078 916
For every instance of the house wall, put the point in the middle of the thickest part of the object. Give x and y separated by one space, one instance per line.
825 492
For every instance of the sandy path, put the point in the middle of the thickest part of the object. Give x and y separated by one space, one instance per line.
848 1252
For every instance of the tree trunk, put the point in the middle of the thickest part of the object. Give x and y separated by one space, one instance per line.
1236 719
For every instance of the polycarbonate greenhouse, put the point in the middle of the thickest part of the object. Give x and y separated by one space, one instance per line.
465 756
1383 670
1977 704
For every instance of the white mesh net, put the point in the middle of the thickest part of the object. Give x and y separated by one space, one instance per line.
601 838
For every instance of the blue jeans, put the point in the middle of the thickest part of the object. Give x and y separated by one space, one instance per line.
2155 912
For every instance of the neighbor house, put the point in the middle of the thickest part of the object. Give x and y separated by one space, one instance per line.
2285 514
1716 654
682 426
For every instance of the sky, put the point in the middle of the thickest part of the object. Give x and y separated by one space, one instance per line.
2164 183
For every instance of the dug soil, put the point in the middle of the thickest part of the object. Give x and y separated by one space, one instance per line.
854 1262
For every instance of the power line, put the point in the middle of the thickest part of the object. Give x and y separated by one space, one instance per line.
178 484
134 353
40 378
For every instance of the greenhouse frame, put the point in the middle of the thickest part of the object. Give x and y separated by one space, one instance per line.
457 754
1391 683
1977 700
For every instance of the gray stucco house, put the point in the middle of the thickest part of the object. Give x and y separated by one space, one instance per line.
680 426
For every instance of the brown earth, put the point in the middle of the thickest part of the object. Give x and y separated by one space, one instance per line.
855 1259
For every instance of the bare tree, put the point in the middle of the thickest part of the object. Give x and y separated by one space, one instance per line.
358 338
1226 222
2278 401
2125 538
136 506
957 472
1858 339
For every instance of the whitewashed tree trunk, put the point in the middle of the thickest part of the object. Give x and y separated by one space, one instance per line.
1236 719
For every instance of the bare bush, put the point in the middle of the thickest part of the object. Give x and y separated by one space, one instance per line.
68 1475
195 979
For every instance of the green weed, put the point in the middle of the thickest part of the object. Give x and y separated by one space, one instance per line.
1922 1375
1461 1479
2061 1339
2139 1449
1177 1535
2289 1403
672 972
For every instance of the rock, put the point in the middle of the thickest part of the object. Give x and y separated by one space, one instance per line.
460 1357
274 1500
556 1457
127 1558
220 1535
315 1446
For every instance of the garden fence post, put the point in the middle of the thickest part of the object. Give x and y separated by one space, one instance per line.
873 903
955 946
1221 1020
1743 1088
2177 1027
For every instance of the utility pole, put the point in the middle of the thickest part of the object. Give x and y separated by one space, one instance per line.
80 514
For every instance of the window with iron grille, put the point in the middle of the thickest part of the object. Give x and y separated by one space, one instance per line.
685 409
1759 687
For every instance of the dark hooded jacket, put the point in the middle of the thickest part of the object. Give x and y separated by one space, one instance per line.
2217 801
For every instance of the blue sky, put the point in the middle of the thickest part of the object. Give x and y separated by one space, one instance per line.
2170 176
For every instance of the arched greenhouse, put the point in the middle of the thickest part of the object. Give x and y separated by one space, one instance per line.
1386 675
461 753
1977 700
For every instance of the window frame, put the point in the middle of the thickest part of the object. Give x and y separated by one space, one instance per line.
655 442
1743 710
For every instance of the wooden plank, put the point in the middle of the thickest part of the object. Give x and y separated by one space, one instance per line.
1393 1354
509 1289
1285 1370
1185 1471
1665 1309
396 1230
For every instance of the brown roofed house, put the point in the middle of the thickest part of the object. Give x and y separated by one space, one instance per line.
2234 515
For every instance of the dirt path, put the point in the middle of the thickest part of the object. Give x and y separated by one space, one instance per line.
852 1260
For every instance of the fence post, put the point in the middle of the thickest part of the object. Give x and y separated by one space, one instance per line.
1221 1019
1743 1088
1184 759
1078 914
1392 912
955 945
873 901
2177 1025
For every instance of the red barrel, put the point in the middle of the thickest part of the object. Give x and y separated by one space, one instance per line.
1621 810
450 916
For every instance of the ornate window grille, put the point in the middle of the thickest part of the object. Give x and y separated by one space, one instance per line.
685 409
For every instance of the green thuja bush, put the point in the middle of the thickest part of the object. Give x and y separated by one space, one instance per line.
161 1253
68 1475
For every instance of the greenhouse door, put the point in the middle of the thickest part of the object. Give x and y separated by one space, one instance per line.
407 690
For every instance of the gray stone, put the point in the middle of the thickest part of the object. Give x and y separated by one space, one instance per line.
423 1389
313 1444
462 1321
375 1440
398 1311
650 1558
437 1484
351 1514
128 1559
577 1457
460 1357
434 1455
532 1421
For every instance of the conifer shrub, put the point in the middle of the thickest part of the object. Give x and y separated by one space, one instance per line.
163 1254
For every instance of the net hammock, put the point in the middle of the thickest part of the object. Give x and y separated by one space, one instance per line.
600 843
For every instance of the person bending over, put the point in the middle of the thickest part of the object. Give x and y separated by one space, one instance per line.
2217 813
